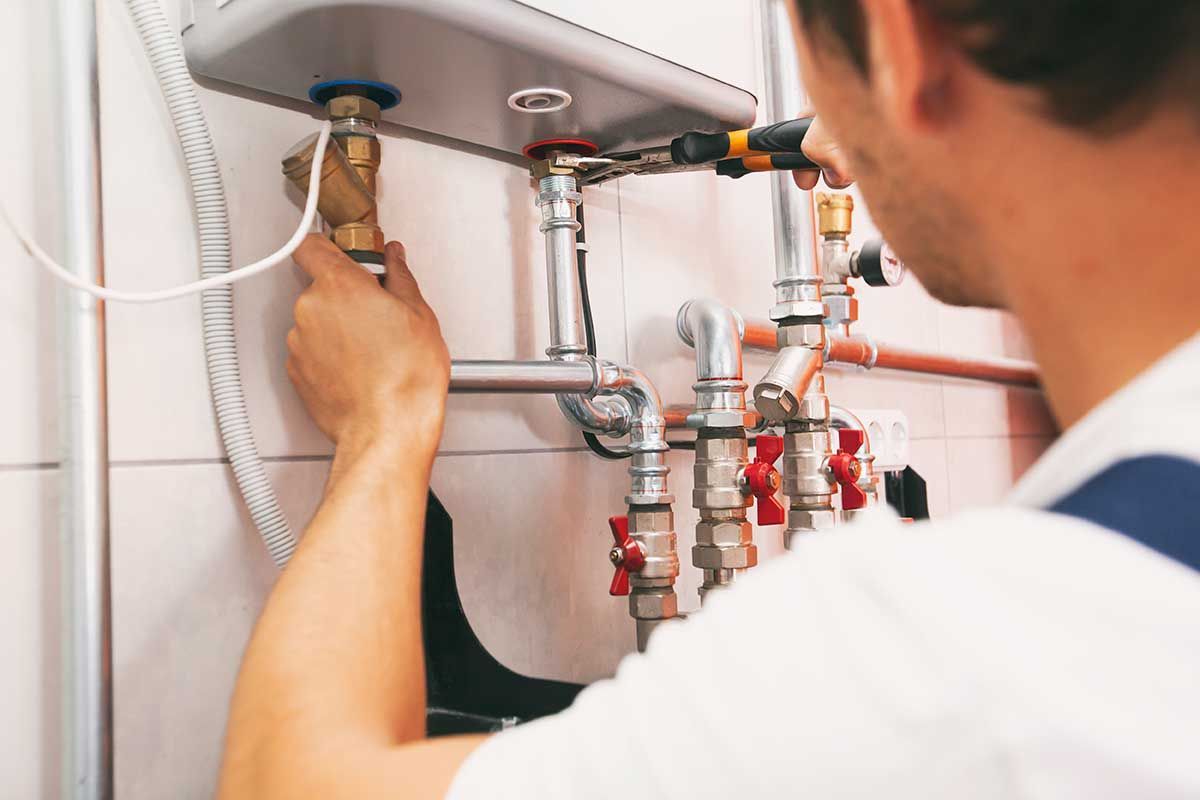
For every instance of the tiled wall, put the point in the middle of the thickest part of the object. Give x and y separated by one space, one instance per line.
188 573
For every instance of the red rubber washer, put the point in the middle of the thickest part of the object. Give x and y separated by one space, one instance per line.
580 147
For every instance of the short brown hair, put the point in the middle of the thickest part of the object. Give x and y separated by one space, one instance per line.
1097 62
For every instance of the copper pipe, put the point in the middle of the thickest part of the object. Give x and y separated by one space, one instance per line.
760 336
867 353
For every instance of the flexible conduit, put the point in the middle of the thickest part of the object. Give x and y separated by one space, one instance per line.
163 49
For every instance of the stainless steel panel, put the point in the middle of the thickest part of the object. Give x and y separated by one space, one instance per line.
457 62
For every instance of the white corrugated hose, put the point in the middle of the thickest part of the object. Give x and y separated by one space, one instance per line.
165 52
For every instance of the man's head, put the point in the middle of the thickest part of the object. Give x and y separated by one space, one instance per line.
940 106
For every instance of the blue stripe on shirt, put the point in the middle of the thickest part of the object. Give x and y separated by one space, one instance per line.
1153 499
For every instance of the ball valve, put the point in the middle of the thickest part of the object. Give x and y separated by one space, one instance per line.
626 555
845 469
763 480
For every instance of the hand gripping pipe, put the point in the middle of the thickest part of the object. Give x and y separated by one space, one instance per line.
162 47
625 403
724 482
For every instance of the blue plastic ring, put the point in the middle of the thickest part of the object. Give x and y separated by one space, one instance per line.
384 94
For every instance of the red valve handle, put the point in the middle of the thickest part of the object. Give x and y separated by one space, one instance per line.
846 469
762 479
626 556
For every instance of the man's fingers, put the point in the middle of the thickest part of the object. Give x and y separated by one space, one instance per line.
806 179
399 280
822 149
318 256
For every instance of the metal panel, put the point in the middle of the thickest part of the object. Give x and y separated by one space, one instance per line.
457 62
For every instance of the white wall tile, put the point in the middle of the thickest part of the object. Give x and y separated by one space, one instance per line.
29 607
189 579
978 409
29 175
982 470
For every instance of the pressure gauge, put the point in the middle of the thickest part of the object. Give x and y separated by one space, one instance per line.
878 265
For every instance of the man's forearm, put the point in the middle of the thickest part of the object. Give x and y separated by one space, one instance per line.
335 668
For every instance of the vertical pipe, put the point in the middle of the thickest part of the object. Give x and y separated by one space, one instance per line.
795 245
799 309
558 197
83 511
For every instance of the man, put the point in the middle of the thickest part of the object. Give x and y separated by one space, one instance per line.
1037 155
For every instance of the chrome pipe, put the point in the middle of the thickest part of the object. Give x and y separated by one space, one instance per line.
784 98
559 198
715 331
86 756
523 377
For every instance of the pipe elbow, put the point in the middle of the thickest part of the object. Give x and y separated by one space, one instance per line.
607 415
715 331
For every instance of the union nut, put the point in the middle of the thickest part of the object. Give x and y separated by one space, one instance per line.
740 557
359 236
804 519
352 106
653 603
811 335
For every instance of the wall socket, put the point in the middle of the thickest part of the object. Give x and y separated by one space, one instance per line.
887 430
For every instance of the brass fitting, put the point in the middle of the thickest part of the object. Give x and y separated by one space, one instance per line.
344 197
352 106
348 176
835 213
354 119
360 237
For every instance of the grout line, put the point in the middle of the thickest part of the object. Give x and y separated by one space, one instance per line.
986 437
202 462
43 466
514 452
40 466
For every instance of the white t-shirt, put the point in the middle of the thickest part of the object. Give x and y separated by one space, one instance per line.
1007 652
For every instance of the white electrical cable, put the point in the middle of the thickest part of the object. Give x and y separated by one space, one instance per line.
165 54
225 278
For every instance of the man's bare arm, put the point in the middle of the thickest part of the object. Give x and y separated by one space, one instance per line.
330 701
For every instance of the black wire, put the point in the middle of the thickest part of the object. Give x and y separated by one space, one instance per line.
691 444
589 332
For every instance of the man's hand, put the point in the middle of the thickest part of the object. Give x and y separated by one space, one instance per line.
368 362
820 147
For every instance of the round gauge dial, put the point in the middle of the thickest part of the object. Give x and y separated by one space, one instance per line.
879 265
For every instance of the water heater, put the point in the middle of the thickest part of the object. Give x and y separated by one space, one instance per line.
495 73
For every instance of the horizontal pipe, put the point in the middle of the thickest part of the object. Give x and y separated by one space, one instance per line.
870 354
1008 371
522 377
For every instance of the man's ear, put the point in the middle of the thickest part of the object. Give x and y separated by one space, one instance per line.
910 64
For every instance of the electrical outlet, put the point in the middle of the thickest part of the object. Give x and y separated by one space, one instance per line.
887 431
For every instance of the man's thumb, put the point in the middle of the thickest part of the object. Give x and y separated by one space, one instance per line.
399 279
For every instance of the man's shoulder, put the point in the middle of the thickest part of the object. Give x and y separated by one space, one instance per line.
1005 562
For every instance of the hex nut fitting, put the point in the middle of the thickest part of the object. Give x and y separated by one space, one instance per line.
798 308
804 519
810 336
362 236
710 557
352 106
653 603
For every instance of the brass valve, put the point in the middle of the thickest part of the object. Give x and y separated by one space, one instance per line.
344 199
348 177
835 213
